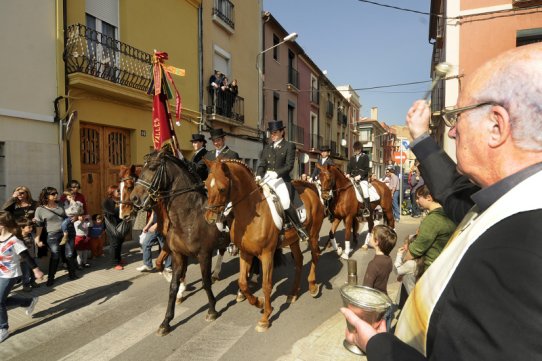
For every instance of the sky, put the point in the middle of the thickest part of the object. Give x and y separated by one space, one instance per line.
365 45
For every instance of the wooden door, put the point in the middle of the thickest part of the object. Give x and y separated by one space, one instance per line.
103 151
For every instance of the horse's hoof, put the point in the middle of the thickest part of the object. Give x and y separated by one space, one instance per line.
345 256
214 279
291 299
179 300
240 297
211 317
339 251
163 330
316 291
262 327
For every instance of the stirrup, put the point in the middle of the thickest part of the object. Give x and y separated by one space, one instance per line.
302 234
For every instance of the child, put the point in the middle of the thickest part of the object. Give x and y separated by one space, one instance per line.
408 271
96 234
72 208
378 270
29 281
12 250
82 244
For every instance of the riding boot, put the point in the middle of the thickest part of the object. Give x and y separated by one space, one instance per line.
71 268
292 214
53 265
366 211
330 215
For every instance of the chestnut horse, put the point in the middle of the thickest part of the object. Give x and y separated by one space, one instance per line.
345 206
172 180
254 232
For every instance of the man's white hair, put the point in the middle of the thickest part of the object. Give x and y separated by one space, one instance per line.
516 84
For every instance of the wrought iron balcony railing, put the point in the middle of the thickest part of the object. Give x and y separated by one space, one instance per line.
90 52
296 134
293 77
223 9
226 104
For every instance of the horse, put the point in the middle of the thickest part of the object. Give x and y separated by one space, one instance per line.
339 190
175 182
254 232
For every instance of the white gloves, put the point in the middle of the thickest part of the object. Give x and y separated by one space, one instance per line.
271 174
348 175
357 178
258 179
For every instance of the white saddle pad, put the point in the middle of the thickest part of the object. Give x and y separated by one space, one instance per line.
373 194
270 196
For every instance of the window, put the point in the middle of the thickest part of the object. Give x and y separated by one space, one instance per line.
365 135
276 42
276 98
102 45
291 126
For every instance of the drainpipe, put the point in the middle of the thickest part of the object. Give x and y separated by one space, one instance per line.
60 139
200 66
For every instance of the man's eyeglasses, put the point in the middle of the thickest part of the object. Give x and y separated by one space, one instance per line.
53 193
450 115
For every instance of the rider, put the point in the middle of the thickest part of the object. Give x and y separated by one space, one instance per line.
277 161
325 159
358 168
221 149
198 143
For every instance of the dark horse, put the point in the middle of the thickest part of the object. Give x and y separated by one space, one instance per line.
345 206
172 180
254 232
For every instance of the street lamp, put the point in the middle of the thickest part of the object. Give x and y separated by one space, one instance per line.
289 37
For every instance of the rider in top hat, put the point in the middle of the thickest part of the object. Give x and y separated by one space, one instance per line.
325 159
221 149
277 161
198 143
358 168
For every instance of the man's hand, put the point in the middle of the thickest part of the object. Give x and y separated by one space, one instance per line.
363 331
348 176
417 118
258 179
357 178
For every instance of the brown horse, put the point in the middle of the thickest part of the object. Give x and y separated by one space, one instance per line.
254 232
344 205
172 180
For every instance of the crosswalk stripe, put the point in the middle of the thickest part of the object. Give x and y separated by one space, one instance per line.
125 336
211 343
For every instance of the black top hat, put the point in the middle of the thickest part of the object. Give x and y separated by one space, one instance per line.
325 148
275 125
217 133
198 138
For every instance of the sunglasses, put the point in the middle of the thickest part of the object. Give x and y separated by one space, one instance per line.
53 193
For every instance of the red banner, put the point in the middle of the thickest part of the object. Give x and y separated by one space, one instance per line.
162 132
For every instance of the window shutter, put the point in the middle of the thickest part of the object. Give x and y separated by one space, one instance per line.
105 10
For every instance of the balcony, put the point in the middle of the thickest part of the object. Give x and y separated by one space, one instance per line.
223 14
223 105
296 134
102 57
293 78
315 96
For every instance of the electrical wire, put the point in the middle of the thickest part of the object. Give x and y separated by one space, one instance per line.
360 89
396 8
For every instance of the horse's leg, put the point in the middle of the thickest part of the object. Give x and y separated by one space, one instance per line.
245 260
160 259
347 232
182 286
205 263
334 226
165 328
298 260
218 264
267 285
314 288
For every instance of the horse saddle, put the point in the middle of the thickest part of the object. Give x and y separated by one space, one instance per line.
373 194
278 199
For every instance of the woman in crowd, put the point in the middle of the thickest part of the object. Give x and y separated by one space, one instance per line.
115 227
75 188
51 215
12 249
21 205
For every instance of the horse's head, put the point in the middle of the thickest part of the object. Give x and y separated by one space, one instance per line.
327 180
128 177
218 185
150 182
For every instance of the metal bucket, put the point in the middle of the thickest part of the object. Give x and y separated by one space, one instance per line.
368 304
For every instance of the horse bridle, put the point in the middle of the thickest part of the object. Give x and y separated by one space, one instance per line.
337 190
153 187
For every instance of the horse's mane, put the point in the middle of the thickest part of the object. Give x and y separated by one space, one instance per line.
240 162
181 163
339 170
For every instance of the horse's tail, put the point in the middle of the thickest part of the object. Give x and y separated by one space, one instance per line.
278 258
305 184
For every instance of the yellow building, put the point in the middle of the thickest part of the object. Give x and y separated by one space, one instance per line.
107 59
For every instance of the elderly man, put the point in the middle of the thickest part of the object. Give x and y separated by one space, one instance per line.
481 299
